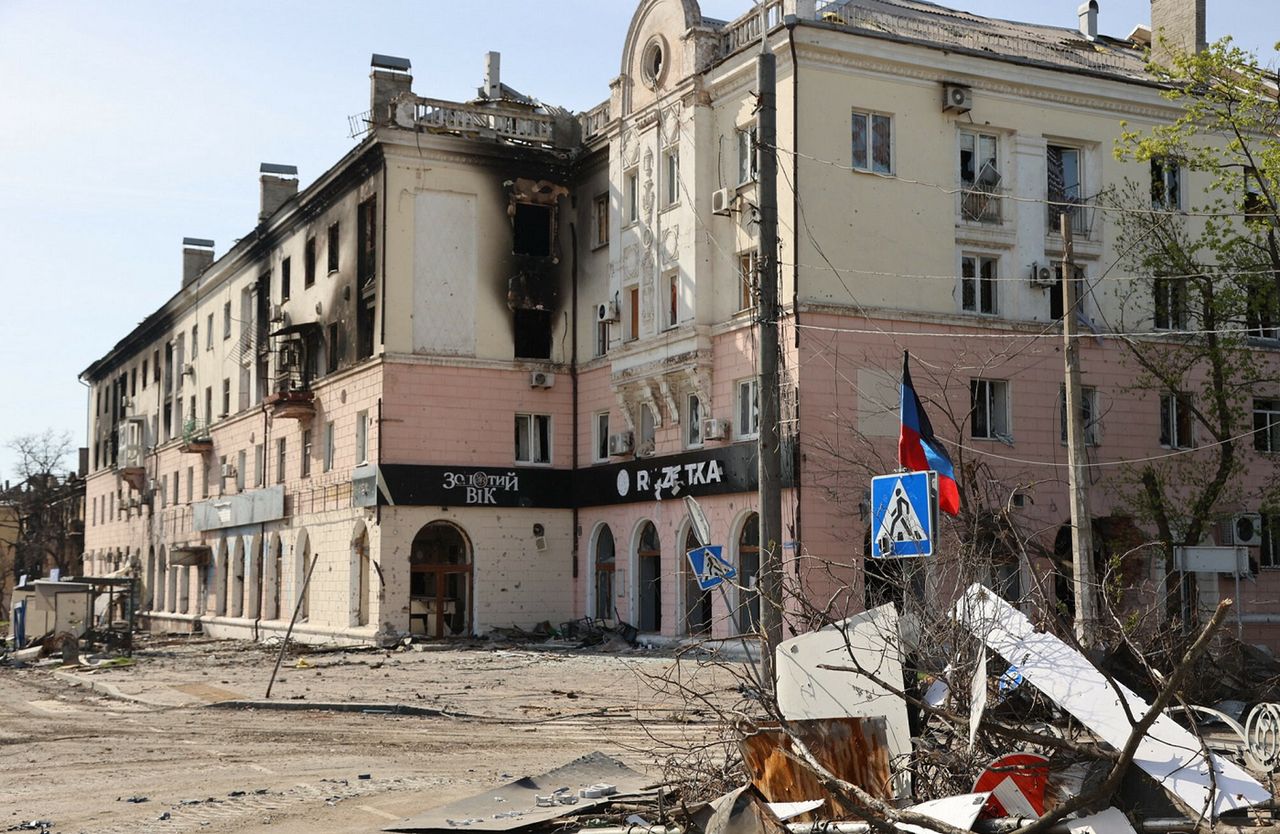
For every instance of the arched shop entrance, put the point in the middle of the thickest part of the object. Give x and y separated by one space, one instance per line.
440 581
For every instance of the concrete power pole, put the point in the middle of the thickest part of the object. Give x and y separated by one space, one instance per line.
770 446
1084 584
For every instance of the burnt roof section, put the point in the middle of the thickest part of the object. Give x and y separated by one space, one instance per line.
1056 47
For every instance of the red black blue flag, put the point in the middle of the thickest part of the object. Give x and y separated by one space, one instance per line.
919 450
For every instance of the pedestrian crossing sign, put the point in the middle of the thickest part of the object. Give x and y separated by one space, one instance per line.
709 566
904 514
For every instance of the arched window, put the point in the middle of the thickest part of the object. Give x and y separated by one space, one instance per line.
749 574
649 577
605 565
440 581
697 602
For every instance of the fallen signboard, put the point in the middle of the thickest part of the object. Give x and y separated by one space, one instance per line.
1168 753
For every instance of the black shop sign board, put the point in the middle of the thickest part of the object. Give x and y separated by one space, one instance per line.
725 469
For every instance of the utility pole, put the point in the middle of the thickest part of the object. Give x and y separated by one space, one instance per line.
770 438
1083 581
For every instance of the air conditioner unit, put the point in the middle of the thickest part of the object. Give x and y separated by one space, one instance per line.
1041 276
620 443
607 311
721 202
1246 529
956 99
228 471
277 313
189 369
541 379
715 429
125 403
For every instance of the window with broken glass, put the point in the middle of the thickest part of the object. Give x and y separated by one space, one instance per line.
872 139
1065 189
979 177
533 438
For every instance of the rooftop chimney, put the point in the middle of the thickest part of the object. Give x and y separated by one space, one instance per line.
492 75
1180 23
197 256
1088 12
390 77
279 185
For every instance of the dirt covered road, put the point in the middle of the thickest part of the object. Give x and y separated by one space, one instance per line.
144 748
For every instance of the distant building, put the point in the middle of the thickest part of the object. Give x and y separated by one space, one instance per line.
468 372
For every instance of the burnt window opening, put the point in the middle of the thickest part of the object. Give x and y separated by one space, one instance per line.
309 263
285 267
335 347
366 275
333 248
532 334
533 227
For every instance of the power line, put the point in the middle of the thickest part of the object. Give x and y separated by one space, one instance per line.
1143 334
1014 279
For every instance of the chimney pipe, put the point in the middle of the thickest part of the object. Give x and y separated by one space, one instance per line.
197 256
493 75
279 185
1088 13
1180 24
389 78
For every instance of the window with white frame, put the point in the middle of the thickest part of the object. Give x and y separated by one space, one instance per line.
989 409
647 425
1266 426
1088 414
693 421
602 436
980 176
746 280
362 437
671 176
1269 553
631 193
1064 186
533 438
600 218
748 164
748 409
602 338
1175 421
872 142
1169 297
1166 184
978 276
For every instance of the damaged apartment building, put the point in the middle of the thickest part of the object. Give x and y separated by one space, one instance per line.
463 378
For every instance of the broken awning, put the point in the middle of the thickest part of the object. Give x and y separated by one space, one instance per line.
1169 754
302 327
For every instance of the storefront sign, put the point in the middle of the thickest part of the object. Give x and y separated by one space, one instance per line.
725 469
476 486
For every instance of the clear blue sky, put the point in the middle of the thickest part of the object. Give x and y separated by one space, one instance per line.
129 125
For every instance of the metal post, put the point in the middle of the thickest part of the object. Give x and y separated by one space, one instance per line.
770 449
297 608
1084 582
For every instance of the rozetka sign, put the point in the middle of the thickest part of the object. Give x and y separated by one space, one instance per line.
705 472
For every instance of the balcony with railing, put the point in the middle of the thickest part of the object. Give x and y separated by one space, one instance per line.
595 121
981 204
747 28
196 437
1079 212
511 124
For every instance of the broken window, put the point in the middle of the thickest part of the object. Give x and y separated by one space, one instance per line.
309 263
286 267
333 247
600 218
335 347
748 164
281 449
366 275
1166 184
226 321
362 437
533 438
306 453
532 334
533 230
226 397
1169 296
1175 421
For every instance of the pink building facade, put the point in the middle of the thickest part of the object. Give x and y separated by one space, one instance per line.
536 334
